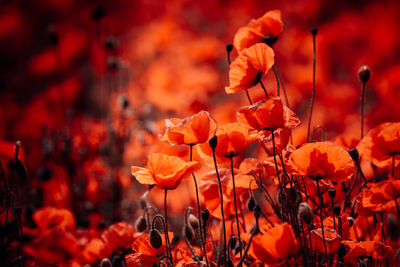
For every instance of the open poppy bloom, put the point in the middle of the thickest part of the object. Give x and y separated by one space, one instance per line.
196 129
322 160
332 240
270 24
381 144
164 171
245 68
276 245
233 139
268 114
377 249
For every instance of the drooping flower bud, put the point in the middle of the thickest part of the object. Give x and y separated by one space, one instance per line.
332 192
193 221
213 142
205 214
354 154
105 262
350 220
305 213
251 203
336 209
364 73
155 239
257 211
229 47
188 232
141 224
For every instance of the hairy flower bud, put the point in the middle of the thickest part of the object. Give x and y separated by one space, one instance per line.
141 224
155 239
305 213
205 214
188 232
364 73
336 209
105 262
193 221
332 192
257 211
251 203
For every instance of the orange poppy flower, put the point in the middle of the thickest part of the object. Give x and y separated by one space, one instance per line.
196 129
377 249
277 244
269 24
380 196
267 114
49 217
380 144
281 140
322 160
164 171
233 139
245 68
332 240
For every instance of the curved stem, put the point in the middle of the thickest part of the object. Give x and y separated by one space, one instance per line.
263 87
321 201
168 245
313 91
202 242
277 80
248 96
236 210
222 203
283 85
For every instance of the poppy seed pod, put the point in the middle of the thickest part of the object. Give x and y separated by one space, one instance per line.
229 47
205 214
232 243
332 192
392 224
257 211
292 196
193 221
155 239
336 209
105 262
364 73
354 154
251 204
213 142
141 224
314 31
305 213
188 232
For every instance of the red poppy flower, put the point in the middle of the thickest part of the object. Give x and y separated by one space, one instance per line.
332 240
245 68
233 139
196 129
277 244
268 114
50 217
377 249
381 144
118 236
322 160
164 171
270 24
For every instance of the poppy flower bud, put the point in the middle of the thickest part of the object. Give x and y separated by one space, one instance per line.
205 214
354 154
332 192
350 220
392 224
229 47
193 221
232 243
141 224
155 239
111 43
251 203
305 213
362 263
143 203
342 251
292 196
364 73
336 209
113 63
257 211
188 232
98 13
117 261
314 31
105 262
213 142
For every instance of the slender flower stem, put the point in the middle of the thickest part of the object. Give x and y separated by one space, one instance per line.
397 206
253 233
393 161
263 87
202 242
276 163
282 84
168 245
222 203
313 91
277 80
333 216
248 96
362 109
236 210
322 223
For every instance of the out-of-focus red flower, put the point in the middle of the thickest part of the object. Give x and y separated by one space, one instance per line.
277 244
164 171
281 140
270 24
332 240
196 129
268 114
322 160
49 217
244 69
118 236
377 249
381 144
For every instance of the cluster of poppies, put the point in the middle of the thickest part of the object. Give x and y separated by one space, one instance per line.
293 165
